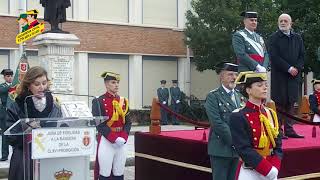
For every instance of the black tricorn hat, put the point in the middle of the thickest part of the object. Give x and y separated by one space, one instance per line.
226 66
7 72
249 14
174 81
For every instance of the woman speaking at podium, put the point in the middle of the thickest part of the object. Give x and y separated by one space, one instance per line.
32 101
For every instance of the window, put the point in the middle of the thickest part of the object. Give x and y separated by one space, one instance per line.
114 63
156 69
109 10
4 6
160 12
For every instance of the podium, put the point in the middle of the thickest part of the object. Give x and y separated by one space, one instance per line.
56 148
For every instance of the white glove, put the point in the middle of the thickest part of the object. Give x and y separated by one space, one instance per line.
120 141
260 68
177 101
164 102
273 173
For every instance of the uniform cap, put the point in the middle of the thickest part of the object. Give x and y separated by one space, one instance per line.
226 66
7 72
163 81
24 16
249 14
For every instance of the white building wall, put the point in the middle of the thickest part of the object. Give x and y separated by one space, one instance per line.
135 82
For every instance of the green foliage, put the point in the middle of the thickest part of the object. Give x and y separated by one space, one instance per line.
195 110
211 23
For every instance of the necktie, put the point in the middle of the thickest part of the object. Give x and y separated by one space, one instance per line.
233 98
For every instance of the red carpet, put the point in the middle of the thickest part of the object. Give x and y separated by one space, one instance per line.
307 142
290 144
183 155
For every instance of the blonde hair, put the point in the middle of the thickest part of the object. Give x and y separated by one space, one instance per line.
31 75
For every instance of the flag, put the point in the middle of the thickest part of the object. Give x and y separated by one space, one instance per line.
21 70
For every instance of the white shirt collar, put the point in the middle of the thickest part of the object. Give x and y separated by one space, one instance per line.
251 32
39 103
226 89
8 83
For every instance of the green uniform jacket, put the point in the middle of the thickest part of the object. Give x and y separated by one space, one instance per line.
246 53
4 88
163 95
219 106
175 94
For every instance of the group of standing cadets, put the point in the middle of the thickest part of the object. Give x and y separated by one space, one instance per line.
163 97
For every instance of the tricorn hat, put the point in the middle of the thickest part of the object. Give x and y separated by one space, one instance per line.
32 12
249 77
110 76
315 81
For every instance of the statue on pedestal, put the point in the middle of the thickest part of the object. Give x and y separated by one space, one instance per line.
55 13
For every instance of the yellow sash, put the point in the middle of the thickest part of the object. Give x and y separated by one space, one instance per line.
118 112
272 131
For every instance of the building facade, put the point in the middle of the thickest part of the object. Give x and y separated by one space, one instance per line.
142 40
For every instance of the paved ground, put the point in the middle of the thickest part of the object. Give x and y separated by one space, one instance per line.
129 171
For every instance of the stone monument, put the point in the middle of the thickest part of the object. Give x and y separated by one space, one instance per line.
56 47
56 55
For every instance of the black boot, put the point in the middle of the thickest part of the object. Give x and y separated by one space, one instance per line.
118 177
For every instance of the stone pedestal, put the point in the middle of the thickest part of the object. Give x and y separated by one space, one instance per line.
56 55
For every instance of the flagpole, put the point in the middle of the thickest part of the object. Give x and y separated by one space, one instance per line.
22 9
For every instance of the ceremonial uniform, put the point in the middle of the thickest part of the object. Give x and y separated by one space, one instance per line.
250 49
4 89
163 97
256 137
314 100
111 156
175 100
219 105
